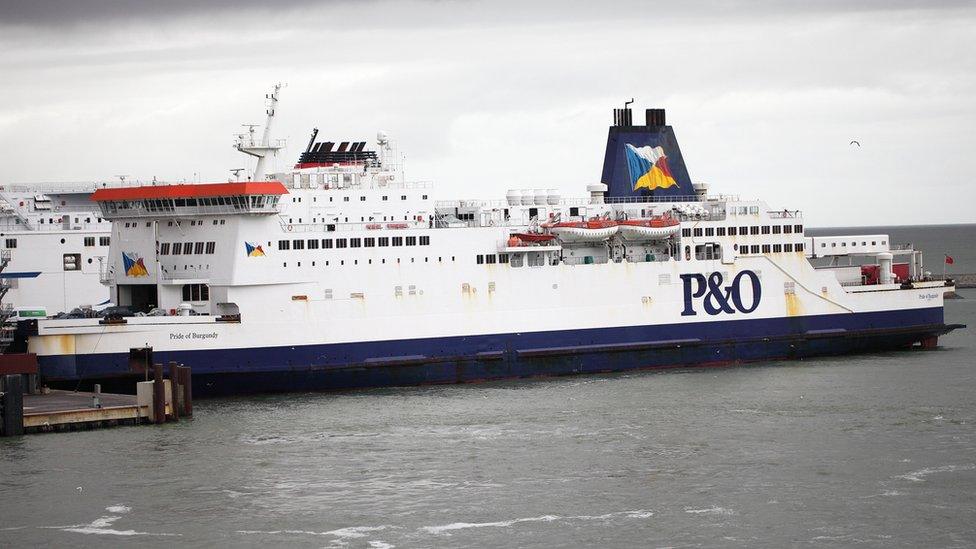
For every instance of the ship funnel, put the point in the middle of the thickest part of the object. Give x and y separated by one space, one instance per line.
644 161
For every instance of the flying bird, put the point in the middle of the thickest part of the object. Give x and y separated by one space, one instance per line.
855 142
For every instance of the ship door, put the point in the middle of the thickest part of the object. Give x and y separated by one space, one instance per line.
138 297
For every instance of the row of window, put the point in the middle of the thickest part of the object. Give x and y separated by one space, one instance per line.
491 259
187 248
11 243
368 242
52 221
170 204
742 231
844 244
370 261
774 248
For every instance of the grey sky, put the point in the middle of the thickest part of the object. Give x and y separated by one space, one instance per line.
484 96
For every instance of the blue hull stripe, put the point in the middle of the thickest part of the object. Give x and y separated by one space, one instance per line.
470 358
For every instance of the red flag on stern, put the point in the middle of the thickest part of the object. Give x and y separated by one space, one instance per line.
949 260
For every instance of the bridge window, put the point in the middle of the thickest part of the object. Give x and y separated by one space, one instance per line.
720 231
198 248
164 248
787 229
698 231
765 229
743 231
480 259
754 249
282 245
765 248
686 233
211 247
798 247
298 244
398 241
777 248
709 231
411 241
777 229
89 241
384 241
732 231
754 229
798 229
313 244
340 243
490 259
355 242
326 243
425 241
196 292
787 247
369 242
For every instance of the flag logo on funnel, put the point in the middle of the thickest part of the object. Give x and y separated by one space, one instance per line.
648 168
253 250
134 266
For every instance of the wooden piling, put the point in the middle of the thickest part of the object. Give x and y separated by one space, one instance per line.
187 386
174 380
12 406
159 395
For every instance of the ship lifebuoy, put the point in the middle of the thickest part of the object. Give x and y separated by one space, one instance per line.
289 228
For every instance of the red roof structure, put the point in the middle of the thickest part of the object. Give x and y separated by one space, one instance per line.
200 190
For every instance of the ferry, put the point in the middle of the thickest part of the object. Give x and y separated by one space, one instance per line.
55 244
339 273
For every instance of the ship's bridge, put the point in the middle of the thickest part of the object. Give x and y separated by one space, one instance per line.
260 197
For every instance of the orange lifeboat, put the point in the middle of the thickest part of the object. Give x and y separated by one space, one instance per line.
657 228
594 230
534 237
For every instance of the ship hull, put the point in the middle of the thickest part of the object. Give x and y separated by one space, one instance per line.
518 355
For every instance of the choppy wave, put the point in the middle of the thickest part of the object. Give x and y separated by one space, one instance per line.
103 526
447 528
348 532
710 511
919 476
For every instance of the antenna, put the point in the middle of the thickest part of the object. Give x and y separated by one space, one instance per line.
628 103
261 149
237 173
122 178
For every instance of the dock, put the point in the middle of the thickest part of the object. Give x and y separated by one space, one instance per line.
69 411
24 409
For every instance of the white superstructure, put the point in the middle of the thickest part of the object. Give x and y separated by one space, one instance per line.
58 243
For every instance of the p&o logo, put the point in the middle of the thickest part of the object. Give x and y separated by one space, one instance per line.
718 298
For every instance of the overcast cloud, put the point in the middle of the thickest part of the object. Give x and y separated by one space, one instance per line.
483 96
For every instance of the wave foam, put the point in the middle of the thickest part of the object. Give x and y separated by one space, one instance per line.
710 511
102 526
919 476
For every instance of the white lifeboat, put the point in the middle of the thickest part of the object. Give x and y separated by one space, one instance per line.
657 228
595 230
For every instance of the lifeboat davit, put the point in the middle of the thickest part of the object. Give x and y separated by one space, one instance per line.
657 228
595 230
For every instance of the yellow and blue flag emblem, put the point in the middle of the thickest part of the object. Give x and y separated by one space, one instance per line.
134 265
253 250
648 168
